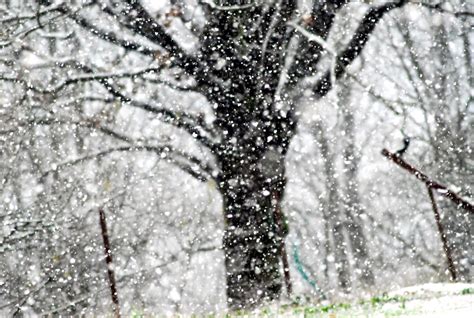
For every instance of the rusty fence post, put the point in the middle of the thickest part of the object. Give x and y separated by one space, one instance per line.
444 239
443 190
109 263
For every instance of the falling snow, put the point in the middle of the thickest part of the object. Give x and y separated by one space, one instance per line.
236 156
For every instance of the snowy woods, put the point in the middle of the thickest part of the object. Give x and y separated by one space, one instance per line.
234 149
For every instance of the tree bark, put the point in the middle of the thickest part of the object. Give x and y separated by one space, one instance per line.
352 201
333 213
253 238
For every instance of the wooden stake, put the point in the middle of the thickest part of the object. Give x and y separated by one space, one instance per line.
108 261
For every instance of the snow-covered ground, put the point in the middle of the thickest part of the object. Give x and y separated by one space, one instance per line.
427 301
437 300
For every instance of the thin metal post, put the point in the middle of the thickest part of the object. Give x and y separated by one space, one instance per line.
108 261
444 240
440 188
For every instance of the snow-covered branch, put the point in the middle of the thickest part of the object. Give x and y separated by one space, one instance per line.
442 7
195 167
181 120
236 7
356 44
113 37
81 79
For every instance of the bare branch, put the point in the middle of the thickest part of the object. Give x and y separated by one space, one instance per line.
397 236
237 7
314 38
356 45
439 7
112 37
17 18
202 172
27 32
185 161
181 120
82 78
141 22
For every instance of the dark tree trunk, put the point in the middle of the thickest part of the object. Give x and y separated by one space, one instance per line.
253 238
244 55
255 138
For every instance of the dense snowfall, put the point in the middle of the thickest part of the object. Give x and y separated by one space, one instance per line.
210 156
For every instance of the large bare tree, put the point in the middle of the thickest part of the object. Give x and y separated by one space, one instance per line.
251 60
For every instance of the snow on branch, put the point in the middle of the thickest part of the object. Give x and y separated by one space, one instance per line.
185 161
182 120
441 8
313 37
24 33
84 123
112 37
179 120
194 166
40 13
139 21
356 44
237 7
82 78
325 45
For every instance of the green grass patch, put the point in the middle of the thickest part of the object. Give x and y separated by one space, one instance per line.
380 300
467 291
